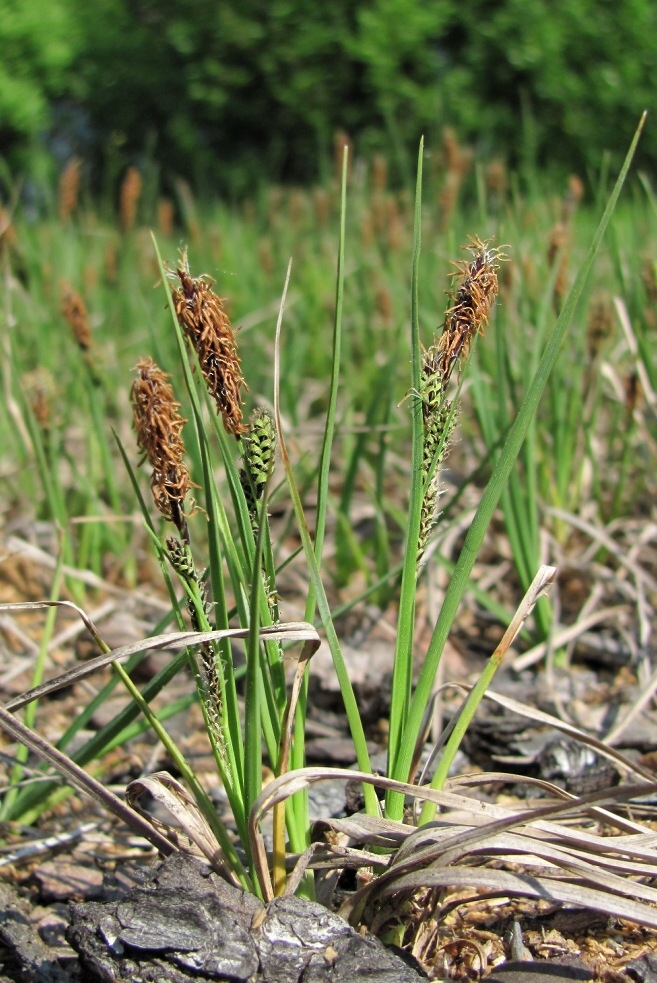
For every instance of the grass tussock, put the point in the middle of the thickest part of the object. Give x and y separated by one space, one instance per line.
520 411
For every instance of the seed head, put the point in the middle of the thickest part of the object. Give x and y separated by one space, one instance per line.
206 326
158 424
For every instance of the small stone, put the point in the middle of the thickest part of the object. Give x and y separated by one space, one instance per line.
61 881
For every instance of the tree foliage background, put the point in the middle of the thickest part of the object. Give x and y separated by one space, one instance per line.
226 92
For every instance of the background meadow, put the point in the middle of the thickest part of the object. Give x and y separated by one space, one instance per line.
84 269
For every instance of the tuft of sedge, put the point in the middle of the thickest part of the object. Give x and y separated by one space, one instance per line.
69 186
74 310
207 328
471 305
158 425
129 198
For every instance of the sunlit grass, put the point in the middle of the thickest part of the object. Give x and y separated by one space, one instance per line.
362 383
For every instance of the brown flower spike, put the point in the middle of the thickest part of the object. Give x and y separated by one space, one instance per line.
474 299
158 424
206 326
464 319
74 310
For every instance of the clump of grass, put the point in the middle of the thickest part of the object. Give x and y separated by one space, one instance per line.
240 581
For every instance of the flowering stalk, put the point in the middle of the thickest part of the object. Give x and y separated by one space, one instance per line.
207 664
258 450
258 445
74 310
464 320
159 424
473 301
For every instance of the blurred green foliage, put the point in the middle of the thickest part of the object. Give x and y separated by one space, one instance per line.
37 48
226 93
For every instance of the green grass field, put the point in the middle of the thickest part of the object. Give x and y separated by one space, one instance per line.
590 447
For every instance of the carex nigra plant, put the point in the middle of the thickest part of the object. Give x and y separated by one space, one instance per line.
240 578
221 552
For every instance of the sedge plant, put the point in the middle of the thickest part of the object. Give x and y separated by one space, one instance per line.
239 582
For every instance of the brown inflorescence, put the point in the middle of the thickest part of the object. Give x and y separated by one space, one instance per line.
7 232
557 252
130 195
40 389
69 184
464 319
600 325
74 310
165 216
472 305
158 424
206 326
